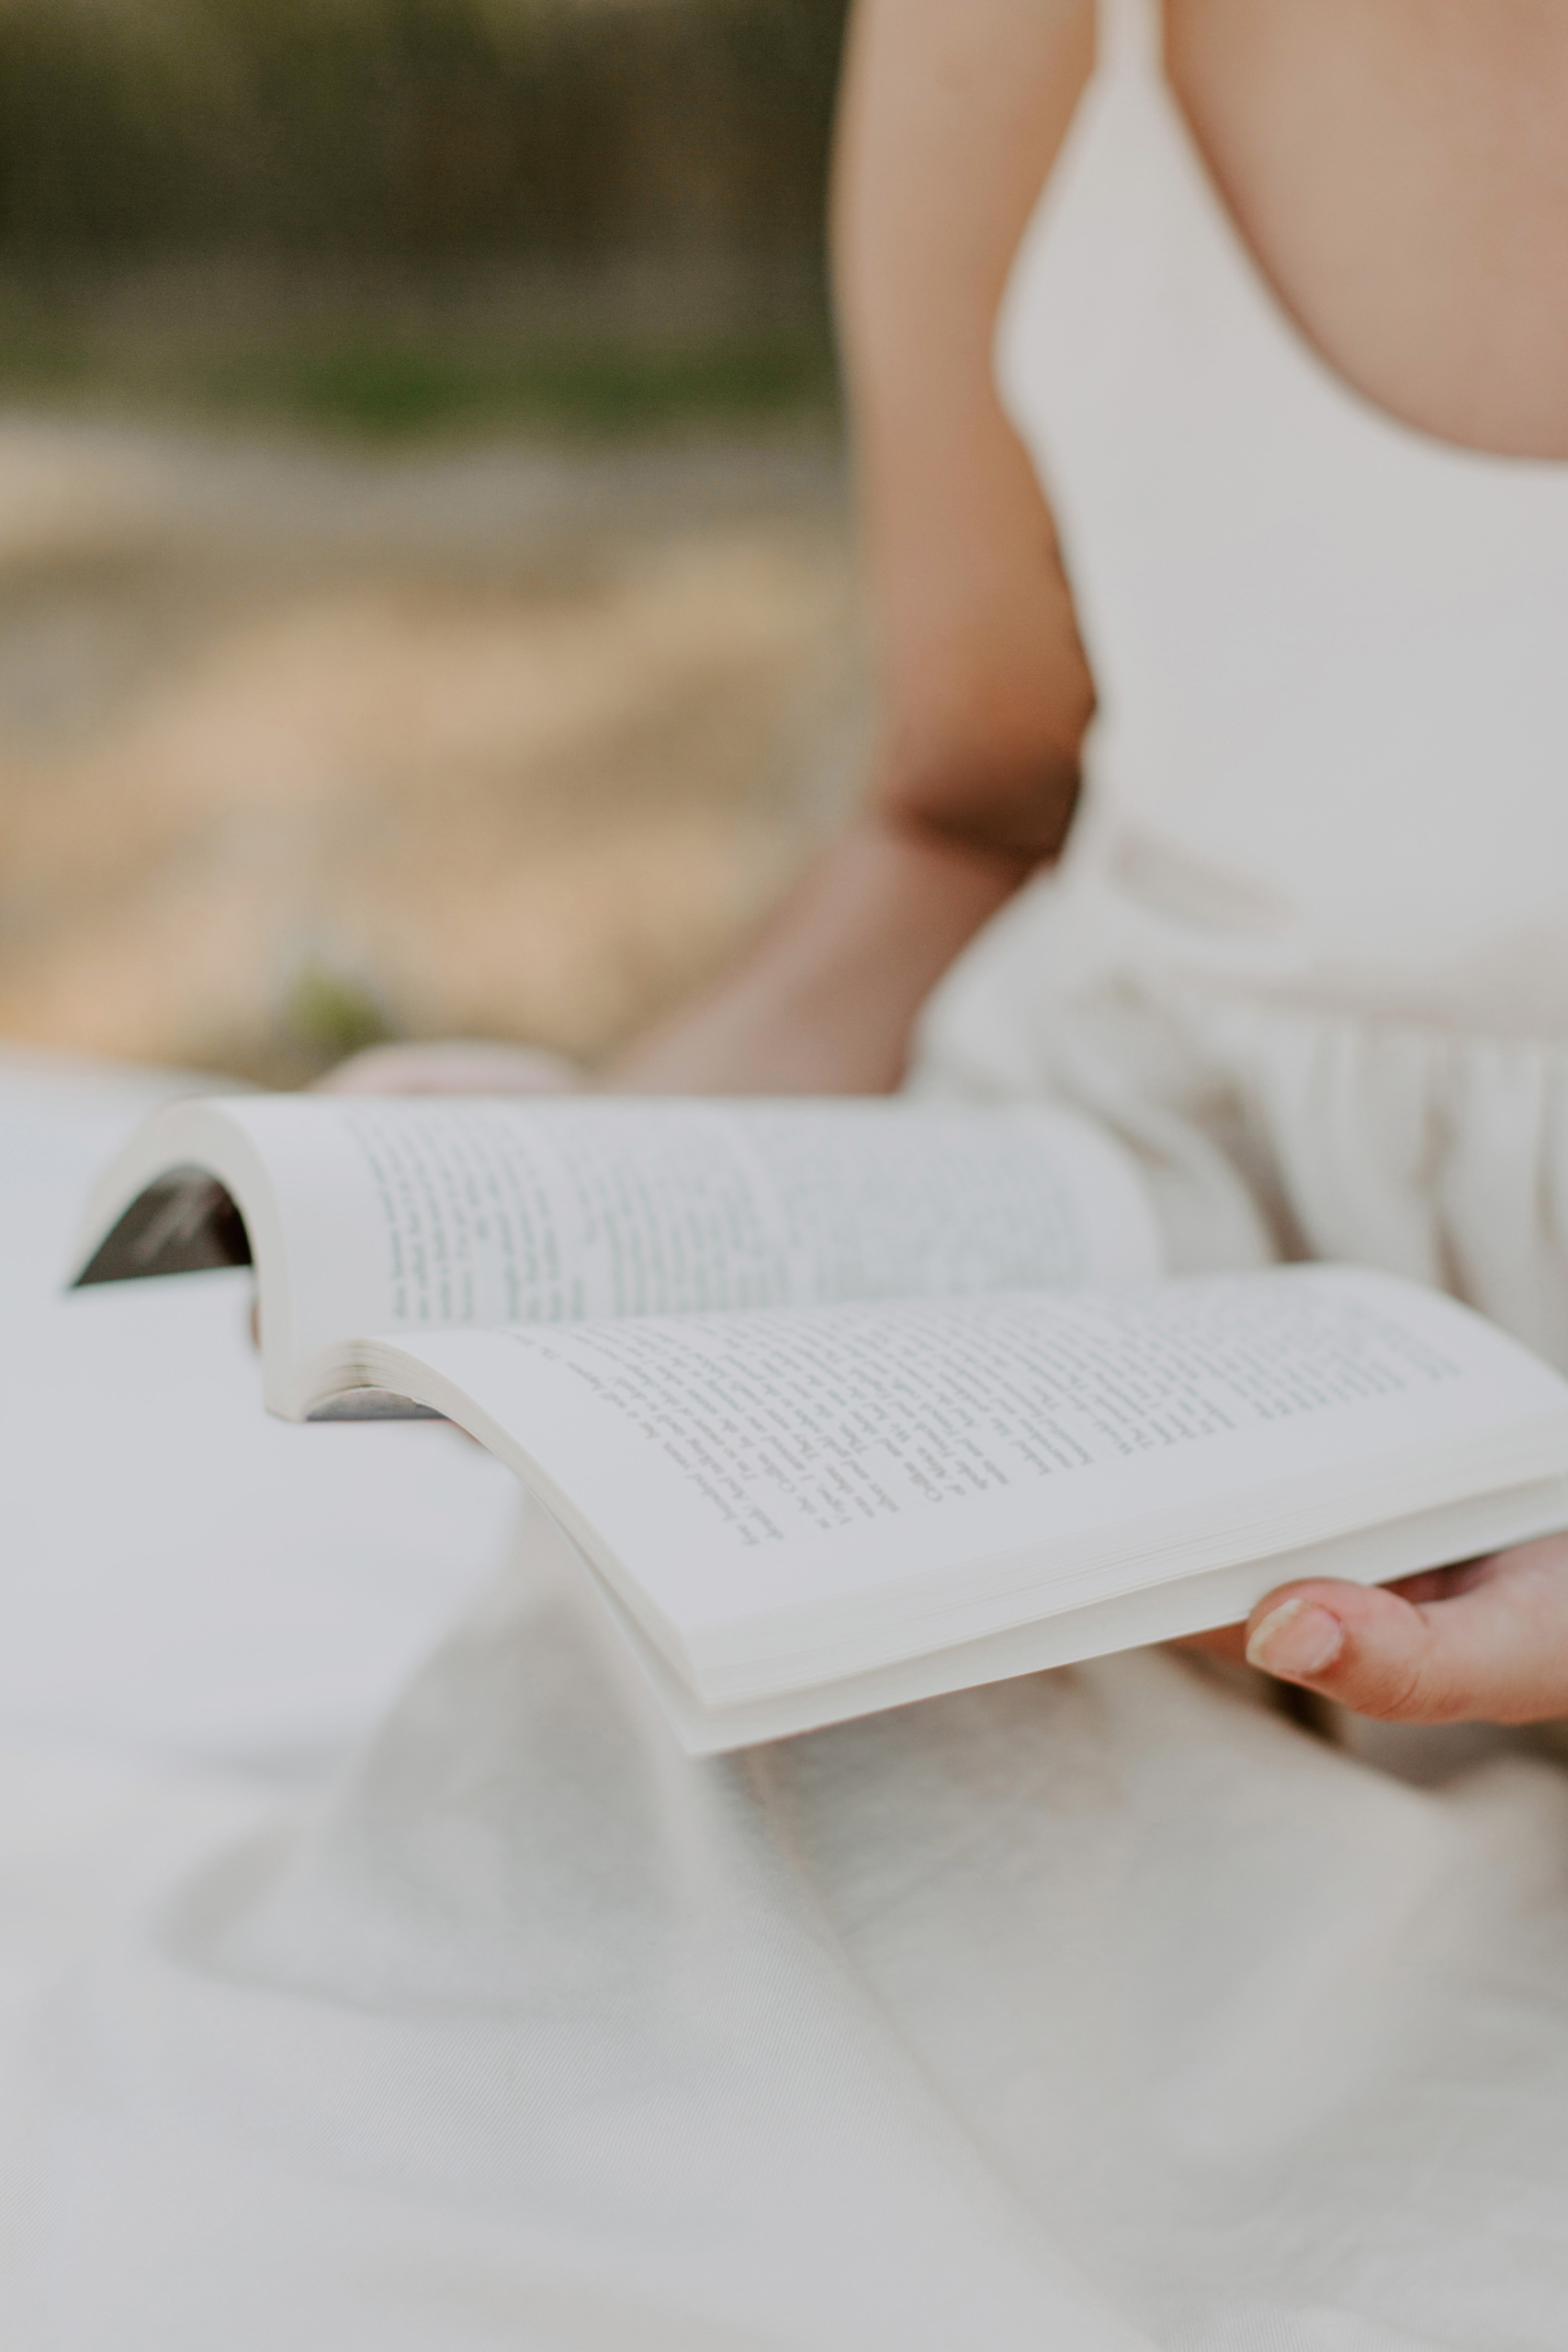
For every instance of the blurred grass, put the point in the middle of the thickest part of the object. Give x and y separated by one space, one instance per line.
387 391
380 381
42 357
327 1013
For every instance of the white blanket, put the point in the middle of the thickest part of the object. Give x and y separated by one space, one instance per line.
1100 2009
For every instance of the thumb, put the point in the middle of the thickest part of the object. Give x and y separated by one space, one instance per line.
1487 1642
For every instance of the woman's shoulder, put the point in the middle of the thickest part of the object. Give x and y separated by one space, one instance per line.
1397 174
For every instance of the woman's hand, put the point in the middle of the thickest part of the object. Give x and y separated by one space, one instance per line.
463 1066
1486 1642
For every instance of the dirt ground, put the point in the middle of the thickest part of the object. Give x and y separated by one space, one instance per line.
298 747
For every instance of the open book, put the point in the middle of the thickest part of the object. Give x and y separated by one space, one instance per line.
846 1404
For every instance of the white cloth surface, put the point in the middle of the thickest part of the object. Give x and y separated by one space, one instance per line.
193 1607
182 1576
1101 2010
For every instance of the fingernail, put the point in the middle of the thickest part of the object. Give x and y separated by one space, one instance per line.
1296 1640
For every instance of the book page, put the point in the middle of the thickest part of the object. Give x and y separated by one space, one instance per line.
409 1213
777 1465
495 1213
1163 1613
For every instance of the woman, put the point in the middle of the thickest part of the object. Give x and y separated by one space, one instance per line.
1370 232
1102 2009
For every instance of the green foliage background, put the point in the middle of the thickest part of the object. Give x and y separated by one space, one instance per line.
233 232
413 130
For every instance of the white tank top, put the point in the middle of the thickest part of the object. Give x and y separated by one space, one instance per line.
1331 650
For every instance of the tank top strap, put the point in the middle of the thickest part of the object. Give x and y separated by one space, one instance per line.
1130 37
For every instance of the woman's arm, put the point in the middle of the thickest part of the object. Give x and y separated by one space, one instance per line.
951 118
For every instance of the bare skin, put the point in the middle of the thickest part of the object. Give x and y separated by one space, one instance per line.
1400 171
